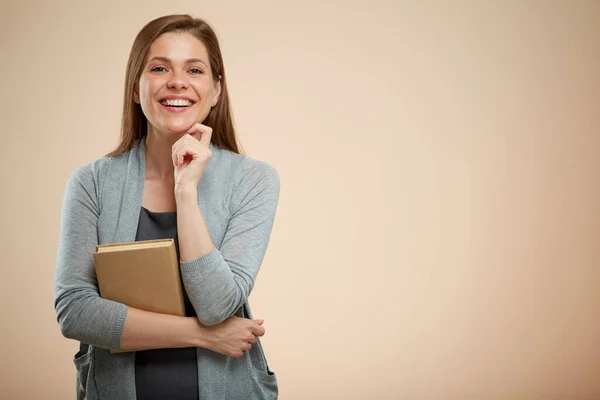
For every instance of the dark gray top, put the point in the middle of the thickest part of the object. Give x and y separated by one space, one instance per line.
165 373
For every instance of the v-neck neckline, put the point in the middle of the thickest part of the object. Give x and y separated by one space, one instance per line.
132 196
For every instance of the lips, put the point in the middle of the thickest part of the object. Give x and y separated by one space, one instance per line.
176 103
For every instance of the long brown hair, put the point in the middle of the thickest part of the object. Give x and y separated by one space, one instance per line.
134 124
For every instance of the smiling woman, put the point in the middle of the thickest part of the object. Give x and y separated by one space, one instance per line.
177 173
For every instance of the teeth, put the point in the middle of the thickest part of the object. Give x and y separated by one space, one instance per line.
176 102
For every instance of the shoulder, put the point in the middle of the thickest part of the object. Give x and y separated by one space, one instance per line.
96 171
83 186
90 173
250 181
87 182
247 171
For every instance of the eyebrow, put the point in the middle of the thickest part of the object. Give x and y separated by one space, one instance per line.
168 60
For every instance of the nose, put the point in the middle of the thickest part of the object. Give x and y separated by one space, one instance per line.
177 81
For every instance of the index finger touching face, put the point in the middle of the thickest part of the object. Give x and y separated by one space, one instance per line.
201 132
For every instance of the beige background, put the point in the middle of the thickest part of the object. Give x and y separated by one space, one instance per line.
438 230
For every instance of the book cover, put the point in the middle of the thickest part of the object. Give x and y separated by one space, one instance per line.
143 275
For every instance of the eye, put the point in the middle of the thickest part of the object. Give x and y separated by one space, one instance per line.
157 69
196 71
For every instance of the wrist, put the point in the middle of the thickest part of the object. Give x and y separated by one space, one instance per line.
186 193
198 337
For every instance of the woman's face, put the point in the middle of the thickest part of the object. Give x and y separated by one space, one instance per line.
176 87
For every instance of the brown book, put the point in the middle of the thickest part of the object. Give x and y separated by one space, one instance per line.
142 275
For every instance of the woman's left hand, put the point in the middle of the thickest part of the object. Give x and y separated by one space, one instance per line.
190 155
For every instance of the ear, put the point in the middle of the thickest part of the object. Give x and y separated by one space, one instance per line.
136 97
217 93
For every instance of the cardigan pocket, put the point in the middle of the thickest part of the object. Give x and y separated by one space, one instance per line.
264 387
82 361
263 366
264 381
265 378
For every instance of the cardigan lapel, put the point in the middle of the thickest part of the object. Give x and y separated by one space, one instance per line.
131 200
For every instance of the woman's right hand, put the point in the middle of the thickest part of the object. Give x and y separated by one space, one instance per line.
232 336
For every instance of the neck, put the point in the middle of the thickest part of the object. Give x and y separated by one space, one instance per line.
159 164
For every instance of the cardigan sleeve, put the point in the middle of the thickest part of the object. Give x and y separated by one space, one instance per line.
81 313
219 283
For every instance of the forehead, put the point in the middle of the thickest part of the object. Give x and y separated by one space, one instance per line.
177 46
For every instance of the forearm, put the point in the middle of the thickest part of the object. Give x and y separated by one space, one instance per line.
88 318
217 297
193 236
144 330
194 244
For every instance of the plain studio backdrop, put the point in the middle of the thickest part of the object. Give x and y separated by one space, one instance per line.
438 230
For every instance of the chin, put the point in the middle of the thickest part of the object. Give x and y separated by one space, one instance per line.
179 126
176 124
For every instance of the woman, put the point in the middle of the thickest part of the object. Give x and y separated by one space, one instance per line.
176 173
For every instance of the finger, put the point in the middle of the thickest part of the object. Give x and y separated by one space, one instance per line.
188 141
206 136
180 154
258 321
185 139
175 152
173 159
196 130
185 149
201 132
258 330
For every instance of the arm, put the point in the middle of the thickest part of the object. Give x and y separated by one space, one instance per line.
145 330
218 282
82 314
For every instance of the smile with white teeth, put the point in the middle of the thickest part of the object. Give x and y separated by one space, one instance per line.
176 103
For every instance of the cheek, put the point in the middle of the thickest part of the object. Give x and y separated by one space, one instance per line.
147 99
147 89
205 89
143 91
